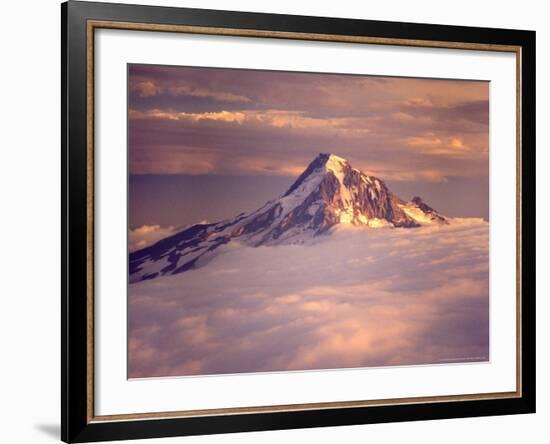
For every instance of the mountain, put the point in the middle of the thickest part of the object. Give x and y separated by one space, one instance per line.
329 192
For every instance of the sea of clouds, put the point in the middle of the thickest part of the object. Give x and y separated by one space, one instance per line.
355 298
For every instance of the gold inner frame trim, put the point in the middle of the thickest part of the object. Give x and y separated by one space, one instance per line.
97 24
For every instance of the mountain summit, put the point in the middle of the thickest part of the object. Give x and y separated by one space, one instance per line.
329 192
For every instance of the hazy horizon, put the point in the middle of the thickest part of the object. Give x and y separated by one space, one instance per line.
165 199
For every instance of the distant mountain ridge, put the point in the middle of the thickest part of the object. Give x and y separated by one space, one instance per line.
329 192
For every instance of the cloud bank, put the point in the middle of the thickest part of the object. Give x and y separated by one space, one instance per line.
146 235
356 298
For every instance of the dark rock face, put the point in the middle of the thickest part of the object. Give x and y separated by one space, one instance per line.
317 163
259 222
169 248
367 198
329 192
315 212
429 210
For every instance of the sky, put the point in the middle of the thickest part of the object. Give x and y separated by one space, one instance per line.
208 143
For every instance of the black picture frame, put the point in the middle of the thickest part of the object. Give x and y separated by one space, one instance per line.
76 326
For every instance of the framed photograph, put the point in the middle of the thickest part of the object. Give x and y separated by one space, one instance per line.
276 221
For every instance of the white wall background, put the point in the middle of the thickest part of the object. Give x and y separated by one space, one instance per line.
30 203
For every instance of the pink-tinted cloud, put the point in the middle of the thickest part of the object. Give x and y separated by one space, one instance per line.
230 116
145 86
183 89
447 146
281 119
146 235
358 298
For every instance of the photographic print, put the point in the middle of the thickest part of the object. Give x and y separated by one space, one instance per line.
287 221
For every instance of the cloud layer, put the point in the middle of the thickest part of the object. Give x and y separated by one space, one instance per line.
146 235
358 298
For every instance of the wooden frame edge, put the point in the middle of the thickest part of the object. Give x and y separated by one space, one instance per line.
90 184
302 407
337 38
135 26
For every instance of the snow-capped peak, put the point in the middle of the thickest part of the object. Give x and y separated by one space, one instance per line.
335 163
329 192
